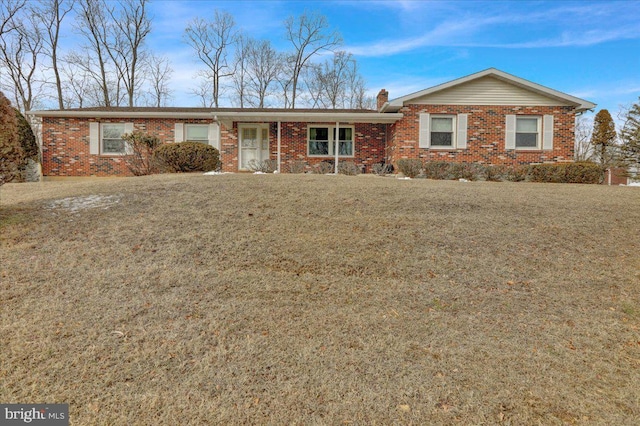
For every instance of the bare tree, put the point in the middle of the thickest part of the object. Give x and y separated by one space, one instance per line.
263 67
582 148
211 41
240 67
77 84
92 23
8 11
309 34
158 74
131 25
204 92
20 51
51 13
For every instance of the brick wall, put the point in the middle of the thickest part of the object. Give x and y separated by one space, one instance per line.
485 135
65 150
66 145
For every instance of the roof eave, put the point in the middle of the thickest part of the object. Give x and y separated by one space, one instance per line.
363 117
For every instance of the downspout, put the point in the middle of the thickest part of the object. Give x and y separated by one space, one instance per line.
337 145
279 144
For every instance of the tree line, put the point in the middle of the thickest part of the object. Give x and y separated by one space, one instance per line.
112 64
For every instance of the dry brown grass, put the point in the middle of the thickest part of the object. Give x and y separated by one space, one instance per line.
305 299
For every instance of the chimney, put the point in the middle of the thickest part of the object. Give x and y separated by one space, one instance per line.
382 97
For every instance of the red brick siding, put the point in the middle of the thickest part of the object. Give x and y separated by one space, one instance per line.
66 145
369 144
485 135
65 150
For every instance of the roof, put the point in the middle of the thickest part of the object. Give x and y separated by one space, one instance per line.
580 104
232 114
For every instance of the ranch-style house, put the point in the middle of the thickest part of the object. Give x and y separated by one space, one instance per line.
490 117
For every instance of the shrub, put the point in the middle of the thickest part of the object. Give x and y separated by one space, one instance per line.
410 167
26 137
322 168
264 166
494 173
12 155
296 166
348 168
187 157
382 168
468 171
141 147
584 172
437 170
516 173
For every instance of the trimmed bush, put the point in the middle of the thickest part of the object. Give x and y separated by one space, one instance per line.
468 171
584 172
187 157
437 170
382 169
516 173
322 168
296 166
348 168
410 167
264 166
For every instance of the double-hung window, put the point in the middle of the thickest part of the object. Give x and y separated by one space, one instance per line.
527 133
442 131
322 141
196 133
112 142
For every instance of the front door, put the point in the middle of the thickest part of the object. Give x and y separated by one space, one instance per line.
254 145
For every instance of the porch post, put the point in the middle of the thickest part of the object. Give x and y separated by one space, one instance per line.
279 141
337 145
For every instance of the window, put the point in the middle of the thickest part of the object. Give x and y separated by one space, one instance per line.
112 142
196 133
442 131
527 132
322 141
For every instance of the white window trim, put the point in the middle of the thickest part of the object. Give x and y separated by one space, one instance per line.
538 146
186 133
115 154
454 131
331 129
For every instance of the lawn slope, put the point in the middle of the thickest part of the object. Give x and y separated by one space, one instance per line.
279 299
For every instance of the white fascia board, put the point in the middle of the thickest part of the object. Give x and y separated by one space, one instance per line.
581 104
119 114
343 117
231 115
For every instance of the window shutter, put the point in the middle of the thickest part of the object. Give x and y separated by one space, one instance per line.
178 134
214 135
94 138
547 132
128 129
510 132
462 131
424 133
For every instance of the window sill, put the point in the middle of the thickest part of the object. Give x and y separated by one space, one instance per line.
329 156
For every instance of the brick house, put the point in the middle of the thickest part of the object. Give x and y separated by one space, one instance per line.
490 117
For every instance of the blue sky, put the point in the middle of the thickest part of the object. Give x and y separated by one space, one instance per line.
589 49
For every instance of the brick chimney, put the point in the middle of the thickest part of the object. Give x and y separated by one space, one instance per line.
382 97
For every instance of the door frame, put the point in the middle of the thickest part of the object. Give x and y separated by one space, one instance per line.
260 127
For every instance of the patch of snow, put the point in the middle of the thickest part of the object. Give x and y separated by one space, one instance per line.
259 173
216 173
76 204
462 180
403 178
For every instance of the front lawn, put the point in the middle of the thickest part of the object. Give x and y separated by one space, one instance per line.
311 299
